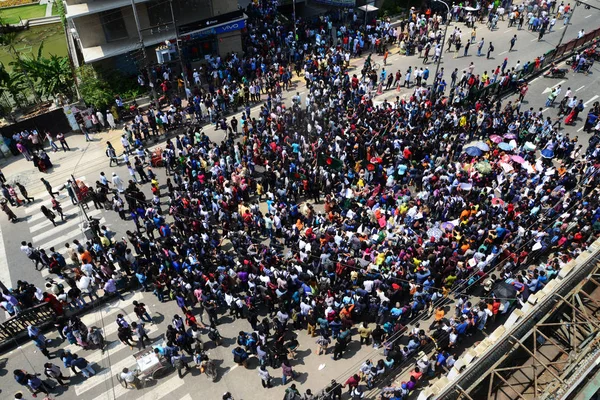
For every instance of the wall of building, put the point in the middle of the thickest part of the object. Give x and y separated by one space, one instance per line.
224 6
89 29
230 42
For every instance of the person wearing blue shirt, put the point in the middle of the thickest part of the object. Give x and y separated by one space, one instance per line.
396 311
461 328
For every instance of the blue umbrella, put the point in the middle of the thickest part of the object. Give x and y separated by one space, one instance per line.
505 146
547 153
473 151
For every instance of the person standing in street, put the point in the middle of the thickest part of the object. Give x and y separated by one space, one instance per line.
24 192
48 187
48 214
480 47
7 210
53 371
265 377
111 153
542 32
140 333
71 192
512 42
110 118
63 142
118 182
490 49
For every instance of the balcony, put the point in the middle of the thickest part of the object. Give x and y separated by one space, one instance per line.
94 7
107 50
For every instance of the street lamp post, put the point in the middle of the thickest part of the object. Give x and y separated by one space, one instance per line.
437 66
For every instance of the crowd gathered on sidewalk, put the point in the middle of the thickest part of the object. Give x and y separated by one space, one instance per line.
353 221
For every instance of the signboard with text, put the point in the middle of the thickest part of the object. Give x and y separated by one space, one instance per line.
338 3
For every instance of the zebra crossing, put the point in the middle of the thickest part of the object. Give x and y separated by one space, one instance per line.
116 356
44 235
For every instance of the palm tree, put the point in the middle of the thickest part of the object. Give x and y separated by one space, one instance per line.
12 83
9 39
53 75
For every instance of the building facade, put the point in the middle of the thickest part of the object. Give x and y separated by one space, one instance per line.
105 32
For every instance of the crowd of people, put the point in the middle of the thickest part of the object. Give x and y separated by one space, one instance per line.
333 215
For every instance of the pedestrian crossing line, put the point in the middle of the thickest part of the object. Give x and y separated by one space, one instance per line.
114 368
157 392
67 225
67 210
113 347
60 241
104 375
186 397
93 319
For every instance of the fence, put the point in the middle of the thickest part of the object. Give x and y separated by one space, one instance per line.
14 326
554 55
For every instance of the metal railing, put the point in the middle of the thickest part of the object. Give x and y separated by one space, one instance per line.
37 315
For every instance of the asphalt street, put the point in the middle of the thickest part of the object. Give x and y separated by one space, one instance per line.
87 160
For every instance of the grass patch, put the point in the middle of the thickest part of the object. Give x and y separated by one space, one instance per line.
11 15
28 43
55 8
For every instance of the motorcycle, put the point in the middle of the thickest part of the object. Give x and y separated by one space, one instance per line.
556 73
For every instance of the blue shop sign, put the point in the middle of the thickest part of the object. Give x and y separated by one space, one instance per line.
234 26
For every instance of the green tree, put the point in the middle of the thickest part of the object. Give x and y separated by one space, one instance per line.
12 83
93 89
9 39
52 75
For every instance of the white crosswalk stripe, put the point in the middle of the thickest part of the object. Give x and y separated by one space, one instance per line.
112 363
44 235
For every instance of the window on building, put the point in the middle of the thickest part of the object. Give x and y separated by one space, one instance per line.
159 13
113 25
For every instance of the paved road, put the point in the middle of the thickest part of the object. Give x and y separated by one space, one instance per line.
88 159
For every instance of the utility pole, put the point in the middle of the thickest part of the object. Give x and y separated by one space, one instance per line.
139 30
294 14
567 26
181 65
83 206
437 66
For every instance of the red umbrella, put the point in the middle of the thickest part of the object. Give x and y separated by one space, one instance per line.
497 201
375 160
370 167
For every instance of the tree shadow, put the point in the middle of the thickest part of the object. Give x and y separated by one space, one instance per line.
157 318
301 377
300 355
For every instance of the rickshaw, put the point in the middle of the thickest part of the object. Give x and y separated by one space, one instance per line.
148 366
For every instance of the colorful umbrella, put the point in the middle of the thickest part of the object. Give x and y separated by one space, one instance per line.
473 151
496 138
518 159
484 167
447 226
505 146
506 167
375 160
510 136
481 146
548 153
528 146
498 202
435 232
